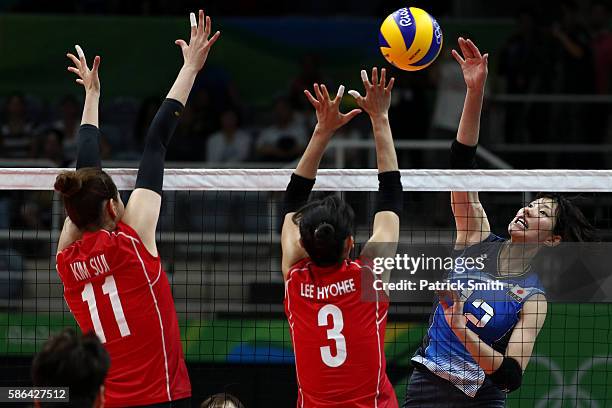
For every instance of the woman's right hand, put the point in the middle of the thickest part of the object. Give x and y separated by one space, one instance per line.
378 94
86 77
329 117
473 64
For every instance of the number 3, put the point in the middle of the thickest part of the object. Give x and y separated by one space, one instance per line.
335 333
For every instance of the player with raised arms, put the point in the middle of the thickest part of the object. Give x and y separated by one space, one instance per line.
337 320
479 342
107 258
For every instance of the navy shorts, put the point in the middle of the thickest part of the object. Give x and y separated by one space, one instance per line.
427 390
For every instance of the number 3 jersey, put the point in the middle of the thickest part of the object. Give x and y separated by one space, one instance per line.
492 306
116 288
338 338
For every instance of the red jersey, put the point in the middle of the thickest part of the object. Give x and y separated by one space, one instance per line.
115 287
338 338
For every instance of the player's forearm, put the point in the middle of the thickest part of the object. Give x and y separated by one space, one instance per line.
90 109
486 357
182 85
311 159
386 158
469 125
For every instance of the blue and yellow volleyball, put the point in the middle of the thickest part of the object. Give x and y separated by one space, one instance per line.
410 39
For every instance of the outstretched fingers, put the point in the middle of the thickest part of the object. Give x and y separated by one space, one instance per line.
311 99
82 58
364 78
339 94
201 24
390 85
318 93
474 49
213 39
194 25
458 57
96 65
208 28
465 49
325 93
74 60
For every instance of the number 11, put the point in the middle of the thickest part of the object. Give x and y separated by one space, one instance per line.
109 288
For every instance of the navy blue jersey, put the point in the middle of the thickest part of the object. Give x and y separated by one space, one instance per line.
492 307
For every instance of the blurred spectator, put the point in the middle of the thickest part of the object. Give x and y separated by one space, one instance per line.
602 46
524 63
575 53
206 112
409 113
68 124
16 132
230 143
77 362
310 74
222 400
450 92
146 113
576 75
48 145
286 138
602 50
187 144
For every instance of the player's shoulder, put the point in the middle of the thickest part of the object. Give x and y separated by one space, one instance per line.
123 230
300 266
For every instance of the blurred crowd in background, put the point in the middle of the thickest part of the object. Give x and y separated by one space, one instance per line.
570 55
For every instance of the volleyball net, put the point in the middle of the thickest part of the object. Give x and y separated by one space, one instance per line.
219 240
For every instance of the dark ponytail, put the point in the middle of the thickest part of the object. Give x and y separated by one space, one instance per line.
324 227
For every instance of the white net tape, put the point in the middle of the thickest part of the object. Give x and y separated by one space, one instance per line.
337 180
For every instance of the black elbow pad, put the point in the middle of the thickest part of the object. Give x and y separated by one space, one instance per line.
390 192
508 376
462 157
298 190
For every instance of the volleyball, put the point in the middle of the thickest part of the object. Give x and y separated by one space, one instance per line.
410 39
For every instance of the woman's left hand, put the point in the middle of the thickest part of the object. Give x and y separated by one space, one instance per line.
452 312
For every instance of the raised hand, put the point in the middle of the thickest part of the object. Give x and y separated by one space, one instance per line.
196 52
88 78
473 64
329 117
378 93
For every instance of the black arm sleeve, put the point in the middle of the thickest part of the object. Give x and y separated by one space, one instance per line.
151 169
463 157
390 192
298 190
88 147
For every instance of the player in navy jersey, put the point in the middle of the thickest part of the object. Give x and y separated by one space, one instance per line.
338 335
479 341
107 258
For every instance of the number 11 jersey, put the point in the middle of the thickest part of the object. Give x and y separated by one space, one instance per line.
116 288
338 336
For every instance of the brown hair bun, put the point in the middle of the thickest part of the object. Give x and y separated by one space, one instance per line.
68 183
